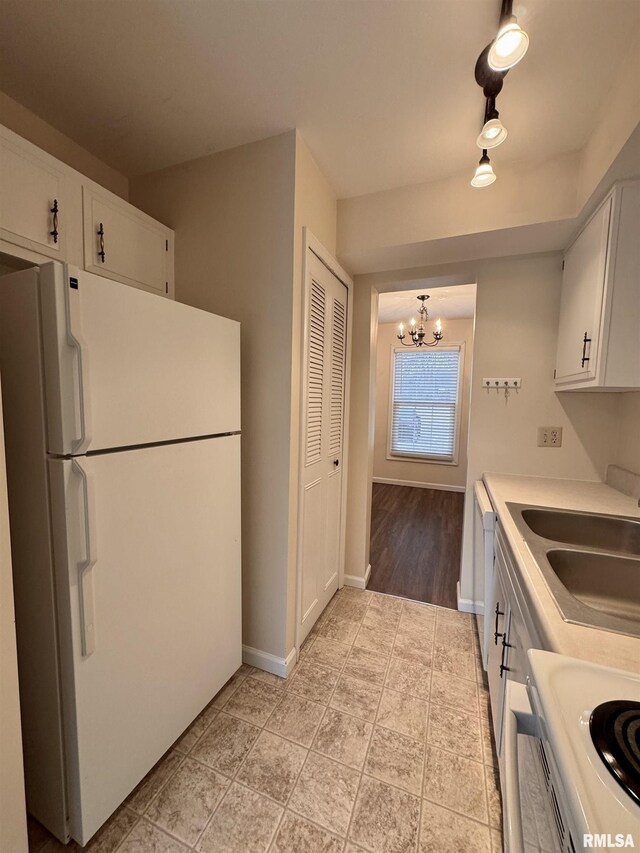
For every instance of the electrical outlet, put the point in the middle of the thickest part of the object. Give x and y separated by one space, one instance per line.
550 436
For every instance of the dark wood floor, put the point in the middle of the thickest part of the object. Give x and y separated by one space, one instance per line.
416 539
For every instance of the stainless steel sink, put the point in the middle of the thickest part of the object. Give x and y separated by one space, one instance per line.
605 532
596 582
605 582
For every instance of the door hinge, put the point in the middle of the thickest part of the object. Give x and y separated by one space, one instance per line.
563 265
166 287
166 248
554 374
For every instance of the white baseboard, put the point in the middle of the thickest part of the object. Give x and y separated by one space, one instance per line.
268 662
358 582
466 605
417 485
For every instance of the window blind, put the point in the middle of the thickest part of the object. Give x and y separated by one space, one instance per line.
424 403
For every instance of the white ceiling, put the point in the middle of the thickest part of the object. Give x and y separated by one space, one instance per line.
446 303
383 92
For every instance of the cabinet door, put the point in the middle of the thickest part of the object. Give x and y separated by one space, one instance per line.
581 304
500 616
33 186
124 244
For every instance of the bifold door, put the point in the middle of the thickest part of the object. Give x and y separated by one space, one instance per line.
147 564
125 368
323 438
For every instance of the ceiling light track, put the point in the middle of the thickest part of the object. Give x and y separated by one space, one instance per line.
505 51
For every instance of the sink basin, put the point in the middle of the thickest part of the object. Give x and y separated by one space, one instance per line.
590 562
605 532
605 582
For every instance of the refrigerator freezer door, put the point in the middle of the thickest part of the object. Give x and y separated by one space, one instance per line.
125 368
162 551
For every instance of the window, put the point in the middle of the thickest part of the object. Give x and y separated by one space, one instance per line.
425 400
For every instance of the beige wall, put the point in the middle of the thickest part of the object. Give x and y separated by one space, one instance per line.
614 125
28 125
233 214
315 207
409 470
361 427
13 823
517 305
526 193
238 217
626 450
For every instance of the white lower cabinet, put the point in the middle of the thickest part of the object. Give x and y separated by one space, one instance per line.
501 615
509 642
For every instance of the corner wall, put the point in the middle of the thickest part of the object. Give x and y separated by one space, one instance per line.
626 450
31 127
239 218
13 823
517 309
316 208
233 214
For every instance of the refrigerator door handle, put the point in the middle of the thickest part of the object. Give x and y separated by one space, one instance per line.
76 341
85 568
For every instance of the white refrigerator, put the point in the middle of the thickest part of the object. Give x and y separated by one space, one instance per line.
122 423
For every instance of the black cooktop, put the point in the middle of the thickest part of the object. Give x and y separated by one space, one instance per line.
615 731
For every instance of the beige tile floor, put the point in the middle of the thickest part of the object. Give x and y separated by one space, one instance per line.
378 741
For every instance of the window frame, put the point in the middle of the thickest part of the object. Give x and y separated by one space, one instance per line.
399 456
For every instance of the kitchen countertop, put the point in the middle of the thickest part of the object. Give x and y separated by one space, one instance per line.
579 641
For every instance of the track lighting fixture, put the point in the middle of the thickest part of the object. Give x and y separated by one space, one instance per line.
509 47
484 175
493 131
505 51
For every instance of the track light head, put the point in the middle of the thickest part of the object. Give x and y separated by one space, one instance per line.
508 47
484 175
493 133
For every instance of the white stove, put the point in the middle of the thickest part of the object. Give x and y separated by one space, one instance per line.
595 800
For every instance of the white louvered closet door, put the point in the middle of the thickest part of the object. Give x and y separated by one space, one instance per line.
323 438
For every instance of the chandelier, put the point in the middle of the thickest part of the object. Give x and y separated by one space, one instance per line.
417 332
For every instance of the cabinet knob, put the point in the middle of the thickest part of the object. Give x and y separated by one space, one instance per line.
101 242
54 210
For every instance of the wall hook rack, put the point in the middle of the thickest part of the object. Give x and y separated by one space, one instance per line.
501 383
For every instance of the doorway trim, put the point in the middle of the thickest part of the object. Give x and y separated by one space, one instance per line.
310 243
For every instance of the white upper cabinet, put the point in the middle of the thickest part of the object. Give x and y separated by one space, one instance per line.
122 243
599 328
34 202
48 210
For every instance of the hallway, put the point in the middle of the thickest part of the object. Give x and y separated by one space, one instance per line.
416 540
